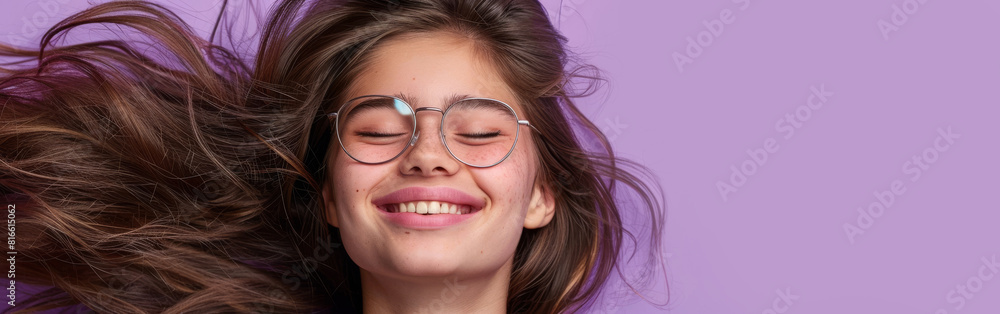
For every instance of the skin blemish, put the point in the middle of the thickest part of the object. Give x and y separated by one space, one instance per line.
407 232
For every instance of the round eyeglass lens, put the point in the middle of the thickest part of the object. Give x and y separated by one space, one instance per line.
480 132
375 129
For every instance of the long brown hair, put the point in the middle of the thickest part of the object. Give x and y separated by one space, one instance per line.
156 172
138 182
314 50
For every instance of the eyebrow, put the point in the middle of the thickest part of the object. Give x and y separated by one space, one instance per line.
370 104
453 98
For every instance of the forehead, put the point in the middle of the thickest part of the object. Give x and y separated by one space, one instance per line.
430 69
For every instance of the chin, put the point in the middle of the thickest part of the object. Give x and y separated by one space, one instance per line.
428 265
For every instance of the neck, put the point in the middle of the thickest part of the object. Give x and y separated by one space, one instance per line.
446 294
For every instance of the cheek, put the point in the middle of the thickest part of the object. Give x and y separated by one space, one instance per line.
350 182
512 181
527 161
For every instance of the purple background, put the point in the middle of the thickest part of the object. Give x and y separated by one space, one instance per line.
887 97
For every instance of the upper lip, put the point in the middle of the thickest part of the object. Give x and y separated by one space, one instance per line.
441 194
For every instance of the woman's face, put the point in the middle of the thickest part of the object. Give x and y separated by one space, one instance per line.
430 69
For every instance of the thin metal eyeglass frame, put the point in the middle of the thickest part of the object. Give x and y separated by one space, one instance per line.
414 134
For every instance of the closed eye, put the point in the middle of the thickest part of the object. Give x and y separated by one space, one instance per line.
480 135
377 134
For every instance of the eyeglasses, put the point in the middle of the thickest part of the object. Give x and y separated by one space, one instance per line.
375 129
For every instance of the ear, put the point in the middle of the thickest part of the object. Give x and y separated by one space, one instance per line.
541 208
331 210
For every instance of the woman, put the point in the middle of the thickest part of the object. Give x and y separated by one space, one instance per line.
366 115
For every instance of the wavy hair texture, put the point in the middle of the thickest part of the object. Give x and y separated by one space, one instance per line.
158 172
139 182
313 50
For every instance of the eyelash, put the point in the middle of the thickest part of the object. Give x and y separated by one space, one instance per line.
481 135
477 135
377 134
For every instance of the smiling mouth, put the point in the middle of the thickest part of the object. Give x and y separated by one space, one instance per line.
429 208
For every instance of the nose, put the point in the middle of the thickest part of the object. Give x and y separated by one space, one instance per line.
427 155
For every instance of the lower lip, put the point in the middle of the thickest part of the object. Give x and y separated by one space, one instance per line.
425 222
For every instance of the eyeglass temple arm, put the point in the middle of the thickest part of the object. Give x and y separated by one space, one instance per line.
525 122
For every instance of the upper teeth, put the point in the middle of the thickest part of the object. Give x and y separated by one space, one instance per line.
432 207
